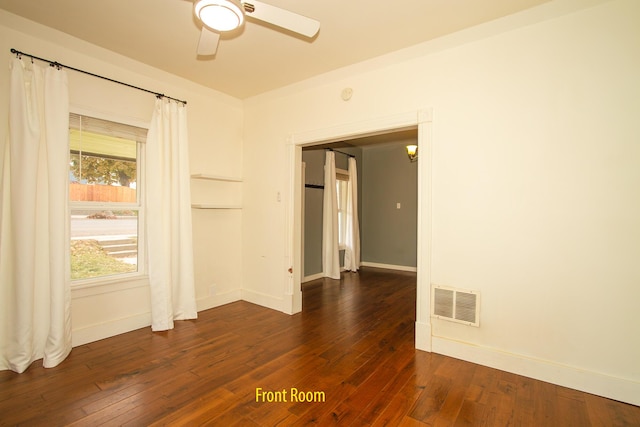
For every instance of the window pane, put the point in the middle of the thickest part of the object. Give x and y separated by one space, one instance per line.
103 243
341 189
102 168
105 210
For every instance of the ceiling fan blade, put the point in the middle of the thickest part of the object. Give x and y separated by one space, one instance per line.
208 44
282 18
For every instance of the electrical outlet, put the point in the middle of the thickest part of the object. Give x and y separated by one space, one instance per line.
212 290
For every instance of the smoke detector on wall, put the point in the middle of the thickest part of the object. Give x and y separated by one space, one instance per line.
346 94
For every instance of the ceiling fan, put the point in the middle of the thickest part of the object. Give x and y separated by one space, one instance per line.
219 16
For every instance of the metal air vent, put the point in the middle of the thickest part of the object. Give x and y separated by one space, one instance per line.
456 305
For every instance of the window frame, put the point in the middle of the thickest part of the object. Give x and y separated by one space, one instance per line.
138 206
342 176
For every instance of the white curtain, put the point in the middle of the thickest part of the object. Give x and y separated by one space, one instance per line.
352 232
35 294
330 247
168 212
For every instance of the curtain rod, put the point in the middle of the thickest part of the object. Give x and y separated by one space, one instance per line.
336 151
59 65
314 186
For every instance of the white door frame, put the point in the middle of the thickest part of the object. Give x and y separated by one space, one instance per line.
423 120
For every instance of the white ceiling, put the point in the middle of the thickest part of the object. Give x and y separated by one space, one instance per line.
164 34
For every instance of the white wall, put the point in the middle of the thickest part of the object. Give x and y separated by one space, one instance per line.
215 131
535 177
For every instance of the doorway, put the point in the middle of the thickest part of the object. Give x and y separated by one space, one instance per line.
420 120
387 201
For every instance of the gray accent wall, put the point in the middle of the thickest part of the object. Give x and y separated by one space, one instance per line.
388 234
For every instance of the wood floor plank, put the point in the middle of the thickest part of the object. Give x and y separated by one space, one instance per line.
197 411
470 414
481 385
606 412
408 421
327 411
354 342
461 377
500 404
404 401
404 370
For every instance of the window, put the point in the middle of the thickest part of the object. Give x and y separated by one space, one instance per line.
342 186
105 197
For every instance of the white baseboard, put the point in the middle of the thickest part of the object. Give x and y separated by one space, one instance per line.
364 264
219 299
263 300
567 376
112 328
109 329
312 277
388 266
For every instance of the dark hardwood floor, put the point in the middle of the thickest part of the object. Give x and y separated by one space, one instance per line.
350 353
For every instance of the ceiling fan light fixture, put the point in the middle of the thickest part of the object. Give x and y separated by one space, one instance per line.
219 15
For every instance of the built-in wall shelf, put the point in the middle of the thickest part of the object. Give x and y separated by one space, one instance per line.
215 177
212 206
225 197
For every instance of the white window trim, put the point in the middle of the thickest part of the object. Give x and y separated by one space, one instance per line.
341 175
